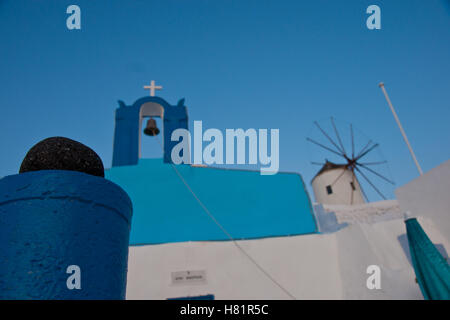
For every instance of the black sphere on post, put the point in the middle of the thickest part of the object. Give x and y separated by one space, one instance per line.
59 153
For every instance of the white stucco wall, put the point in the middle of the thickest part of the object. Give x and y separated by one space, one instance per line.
306 266
319 266
361 245
429 196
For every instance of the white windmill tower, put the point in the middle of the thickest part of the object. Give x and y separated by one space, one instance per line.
337 183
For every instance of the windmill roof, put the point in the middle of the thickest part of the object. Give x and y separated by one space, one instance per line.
327 167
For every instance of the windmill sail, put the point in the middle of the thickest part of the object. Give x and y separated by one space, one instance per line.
342 185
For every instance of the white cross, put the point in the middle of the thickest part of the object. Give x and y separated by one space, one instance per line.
152 88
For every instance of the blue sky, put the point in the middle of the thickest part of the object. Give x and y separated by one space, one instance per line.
239 64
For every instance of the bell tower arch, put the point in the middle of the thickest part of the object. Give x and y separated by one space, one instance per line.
128 127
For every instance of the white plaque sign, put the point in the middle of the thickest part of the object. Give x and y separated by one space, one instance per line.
189 277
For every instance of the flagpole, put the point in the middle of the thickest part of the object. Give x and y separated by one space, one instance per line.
381 85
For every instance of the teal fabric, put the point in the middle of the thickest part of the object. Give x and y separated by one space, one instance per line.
247 204
432 270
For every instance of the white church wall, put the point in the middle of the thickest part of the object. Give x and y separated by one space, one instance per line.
307 266
429 196
319 266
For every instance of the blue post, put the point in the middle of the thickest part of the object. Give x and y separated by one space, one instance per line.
53 219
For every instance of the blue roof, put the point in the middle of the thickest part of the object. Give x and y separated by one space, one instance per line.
248 205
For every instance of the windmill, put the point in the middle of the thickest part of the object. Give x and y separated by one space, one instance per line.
339 182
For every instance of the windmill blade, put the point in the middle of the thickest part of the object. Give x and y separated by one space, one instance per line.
361 188
363 149
371 184
372 163
367 151
353 190
321 145
376 173
338 137
364 193
328 137
343 171
353 141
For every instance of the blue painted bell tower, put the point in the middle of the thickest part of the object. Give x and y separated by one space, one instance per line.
128 129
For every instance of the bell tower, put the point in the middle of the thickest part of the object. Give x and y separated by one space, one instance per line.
128 128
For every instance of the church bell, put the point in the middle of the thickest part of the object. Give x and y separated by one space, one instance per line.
151 129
